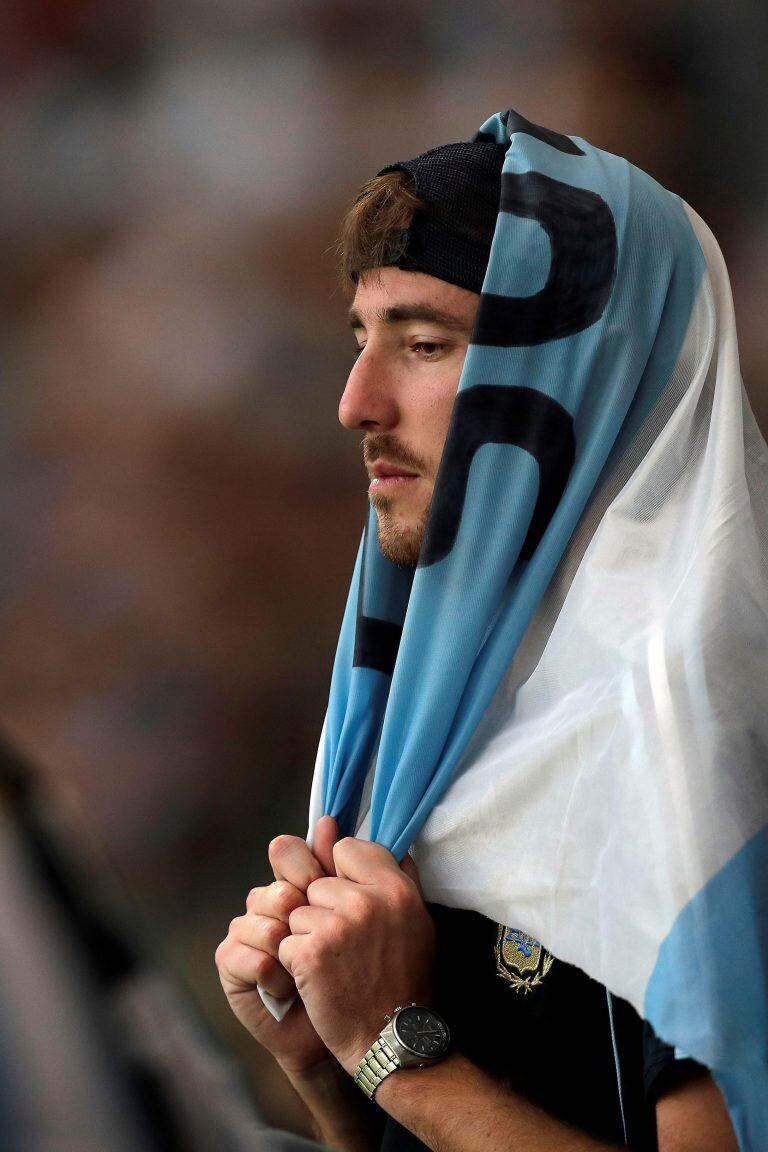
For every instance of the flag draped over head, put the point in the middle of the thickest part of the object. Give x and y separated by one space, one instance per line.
564 702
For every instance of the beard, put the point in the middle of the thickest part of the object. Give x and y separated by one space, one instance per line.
400 543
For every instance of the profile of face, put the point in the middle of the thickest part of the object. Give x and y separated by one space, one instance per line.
412 333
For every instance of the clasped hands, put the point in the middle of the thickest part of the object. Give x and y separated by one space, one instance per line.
343 925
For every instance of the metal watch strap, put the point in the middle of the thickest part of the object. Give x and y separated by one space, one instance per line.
375 1066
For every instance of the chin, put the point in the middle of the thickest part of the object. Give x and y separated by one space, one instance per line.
400 543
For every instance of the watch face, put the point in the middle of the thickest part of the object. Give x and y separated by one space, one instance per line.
422 1032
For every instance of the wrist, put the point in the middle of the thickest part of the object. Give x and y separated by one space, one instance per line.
413 1037
350 1055
354 1053
354 1050
317 1072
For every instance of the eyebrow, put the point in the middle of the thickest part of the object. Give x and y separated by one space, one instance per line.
400 313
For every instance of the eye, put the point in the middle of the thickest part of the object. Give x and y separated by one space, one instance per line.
358 349
428 349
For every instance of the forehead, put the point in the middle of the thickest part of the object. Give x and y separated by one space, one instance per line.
384 289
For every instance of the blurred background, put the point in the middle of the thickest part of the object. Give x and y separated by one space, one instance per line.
179 507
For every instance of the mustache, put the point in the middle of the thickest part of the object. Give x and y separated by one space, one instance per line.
376 446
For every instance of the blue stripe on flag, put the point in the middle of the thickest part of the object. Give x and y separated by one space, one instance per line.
709 990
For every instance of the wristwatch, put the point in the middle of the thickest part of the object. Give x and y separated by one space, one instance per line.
413 1037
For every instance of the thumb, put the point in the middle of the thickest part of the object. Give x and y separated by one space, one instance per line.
326 835
409 867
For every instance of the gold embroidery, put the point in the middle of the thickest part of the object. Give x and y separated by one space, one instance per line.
521 960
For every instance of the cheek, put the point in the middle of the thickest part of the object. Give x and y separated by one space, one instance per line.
426 407
441 410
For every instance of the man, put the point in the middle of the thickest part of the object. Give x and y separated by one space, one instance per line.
544 1057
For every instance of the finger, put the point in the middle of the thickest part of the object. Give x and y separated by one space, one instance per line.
408 865
362 861
326 835
259 900
305 920
292 860
288 951
277 981
331 892
277 900
241 968
264 932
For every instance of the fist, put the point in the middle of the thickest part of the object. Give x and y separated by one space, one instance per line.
249 955
362 944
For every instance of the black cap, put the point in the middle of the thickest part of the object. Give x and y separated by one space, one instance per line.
451 238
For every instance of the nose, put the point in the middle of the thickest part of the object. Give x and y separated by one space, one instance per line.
369 400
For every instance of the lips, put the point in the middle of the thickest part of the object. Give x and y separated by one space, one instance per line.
389 477
383 471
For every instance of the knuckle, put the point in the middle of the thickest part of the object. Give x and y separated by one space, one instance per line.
252 898
360 905
333 937
284 898
234 926
400 895
262 966
274 932
278 894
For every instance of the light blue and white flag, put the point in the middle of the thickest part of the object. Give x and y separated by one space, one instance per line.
564 711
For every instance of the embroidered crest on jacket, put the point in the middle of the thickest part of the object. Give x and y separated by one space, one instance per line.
521 960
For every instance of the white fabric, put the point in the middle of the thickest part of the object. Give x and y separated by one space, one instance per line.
599 797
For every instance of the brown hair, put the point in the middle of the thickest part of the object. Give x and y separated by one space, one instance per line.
384 208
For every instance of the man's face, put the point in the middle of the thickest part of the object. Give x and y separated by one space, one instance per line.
412 332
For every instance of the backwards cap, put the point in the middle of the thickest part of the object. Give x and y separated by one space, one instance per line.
451 238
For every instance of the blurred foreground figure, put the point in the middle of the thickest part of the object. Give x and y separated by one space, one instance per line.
98 1051
549 685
